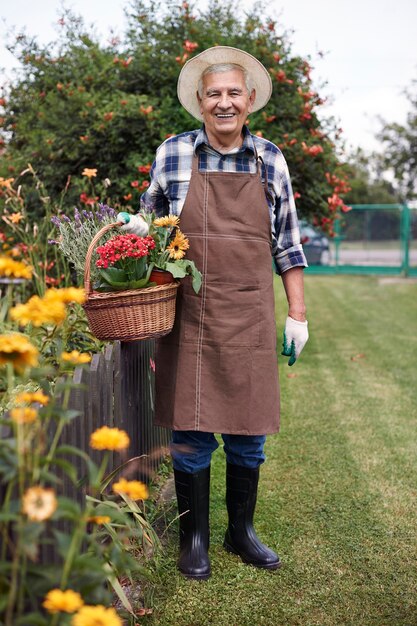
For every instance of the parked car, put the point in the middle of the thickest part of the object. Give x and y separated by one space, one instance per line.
315 244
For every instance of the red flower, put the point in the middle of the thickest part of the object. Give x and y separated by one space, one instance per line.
297 195
146 110
134 183
144 185
127 197
123 247
182 60
189 46
108 116
144 169
127 62
87 200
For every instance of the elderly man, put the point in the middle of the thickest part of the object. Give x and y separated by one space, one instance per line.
217 371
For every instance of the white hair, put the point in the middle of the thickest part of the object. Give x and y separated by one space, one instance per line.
219 68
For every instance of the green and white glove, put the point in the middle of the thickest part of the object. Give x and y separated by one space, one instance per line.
295 338
133 224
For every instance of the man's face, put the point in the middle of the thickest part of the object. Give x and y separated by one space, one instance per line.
225 104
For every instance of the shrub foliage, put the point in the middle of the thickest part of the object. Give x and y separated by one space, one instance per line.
81 102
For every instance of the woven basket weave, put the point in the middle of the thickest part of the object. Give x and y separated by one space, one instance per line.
128 315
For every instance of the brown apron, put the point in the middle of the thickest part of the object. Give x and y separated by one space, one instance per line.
217 370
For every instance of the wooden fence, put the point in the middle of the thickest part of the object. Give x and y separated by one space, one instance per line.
118 390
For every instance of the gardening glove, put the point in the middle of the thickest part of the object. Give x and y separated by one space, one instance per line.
133 224
295 338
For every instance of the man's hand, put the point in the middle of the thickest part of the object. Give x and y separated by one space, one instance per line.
133 224
295 338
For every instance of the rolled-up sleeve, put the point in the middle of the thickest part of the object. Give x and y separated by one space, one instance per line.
154 198
287 250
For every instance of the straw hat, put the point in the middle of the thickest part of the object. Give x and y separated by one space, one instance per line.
191 73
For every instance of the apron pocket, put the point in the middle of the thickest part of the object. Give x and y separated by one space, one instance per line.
231 315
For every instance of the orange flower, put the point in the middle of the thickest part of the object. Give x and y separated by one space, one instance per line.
146 110
108 116
178 246
89 172
189 46
23 415
106 438
127 197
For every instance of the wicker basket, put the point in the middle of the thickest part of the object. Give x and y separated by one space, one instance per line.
128 315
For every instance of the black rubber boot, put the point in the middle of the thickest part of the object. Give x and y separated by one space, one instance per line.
241 538
193 494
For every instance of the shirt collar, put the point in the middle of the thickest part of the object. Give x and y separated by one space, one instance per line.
247 144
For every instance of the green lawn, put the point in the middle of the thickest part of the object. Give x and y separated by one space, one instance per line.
338 491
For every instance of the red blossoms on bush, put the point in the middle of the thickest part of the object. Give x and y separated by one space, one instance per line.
123 247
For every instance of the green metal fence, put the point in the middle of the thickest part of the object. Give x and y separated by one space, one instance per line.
371 239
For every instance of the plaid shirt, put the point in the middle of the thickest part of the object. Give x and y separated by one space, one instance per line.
171 173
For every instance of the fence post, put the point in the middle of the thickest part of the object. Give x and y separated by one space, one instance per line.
405 239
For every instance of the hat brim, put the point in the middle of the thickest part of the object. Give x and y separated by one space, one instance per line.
191 73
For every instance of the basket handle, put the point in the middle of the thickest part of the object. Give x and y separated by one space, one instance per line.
95 239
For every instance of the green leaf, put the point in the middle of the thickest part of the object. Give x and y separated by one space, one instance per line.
114 274
177 269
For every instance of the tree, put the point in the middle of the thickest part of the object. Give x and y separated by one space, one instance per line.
400 150
367 186
81 103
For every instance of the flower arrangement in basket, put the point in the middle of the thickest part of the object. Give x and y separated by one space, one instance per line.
126 303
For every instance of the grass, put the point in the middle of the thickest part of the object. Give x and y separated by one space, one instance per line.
338 492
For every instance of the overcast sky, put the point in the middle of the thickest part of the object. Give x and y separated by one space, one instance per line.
368 47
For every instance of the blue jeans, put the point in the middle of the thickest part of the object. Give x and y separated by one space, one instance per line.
191 450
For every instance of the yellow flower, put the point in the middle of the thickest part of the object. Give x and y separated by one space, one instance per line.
24 415
89 172
66 295
15 218
106 438
75 357
178 246
99 519
39 503
15 269
96 616
33 396
6 182
133 488
38 311
67 601
168 220
18 350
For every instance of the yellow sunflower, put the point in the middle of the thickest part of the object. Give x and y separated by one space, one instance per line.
96 616
178 246
15 269
57 601
99 519
106 438
17 349
168 220
27 397
132 488
66 295
75 357
39 503
23 415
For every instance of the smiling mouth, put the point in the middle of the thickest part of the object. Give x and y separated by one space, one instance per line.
225 116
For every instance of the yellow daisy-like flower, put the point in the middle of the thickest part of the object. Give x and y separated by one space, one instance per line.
57 601
25 415
15 218
75 357
39 503
168 220
15 269
17 349
66 295
132 488
38 311
27 397
178 246
106 438
99 519
90 172
96 616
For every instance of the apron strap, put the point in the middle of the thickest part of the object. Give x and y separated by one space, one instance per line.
260 162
